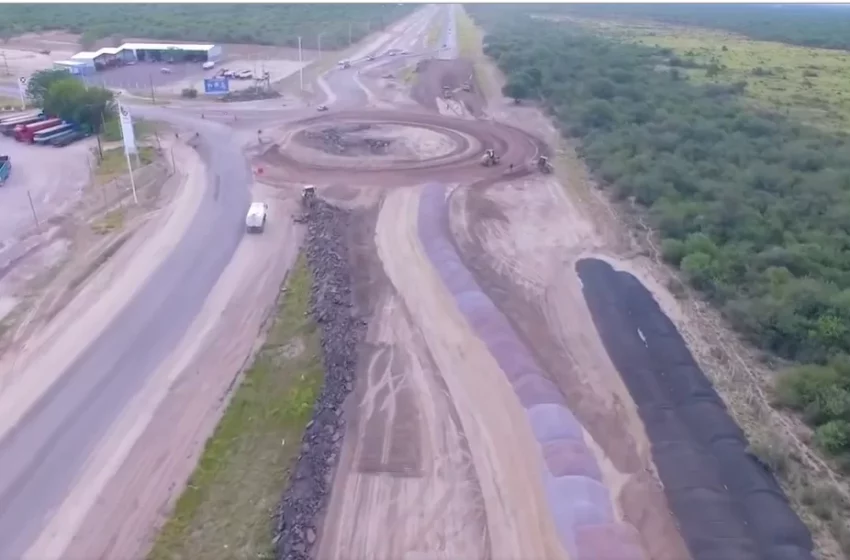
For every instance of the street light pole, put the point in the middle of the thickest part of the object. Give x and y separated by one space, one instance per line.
300 65
319 41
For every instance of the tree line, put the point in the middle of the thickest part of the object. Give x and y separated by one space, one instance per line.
261 24
807 25
753 208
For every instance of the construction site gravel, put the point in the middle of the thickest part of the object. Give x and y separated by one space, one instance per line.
501 382
501 408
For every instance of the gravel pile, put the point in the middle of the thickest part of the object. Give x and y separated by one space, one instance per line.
344 140
331 304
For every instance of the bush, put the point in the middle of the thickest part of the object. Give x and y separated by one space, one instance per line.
834 436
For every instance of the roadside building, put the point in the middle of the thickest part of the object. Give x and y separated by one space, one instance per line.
85 63
75 67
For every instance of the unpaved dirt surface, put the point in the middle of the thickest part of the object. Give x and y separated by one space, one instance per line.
535 342
53 177
434 75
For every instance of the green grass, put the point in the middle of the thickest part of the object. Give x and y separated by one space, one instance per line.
114 162
112 130
111 221
808 84
225 513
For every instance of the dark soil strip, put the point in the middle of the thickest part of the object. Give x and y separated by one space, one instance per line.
331 305
729 506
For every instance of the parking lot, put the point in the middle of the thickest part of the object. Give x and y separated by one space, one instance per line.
144 76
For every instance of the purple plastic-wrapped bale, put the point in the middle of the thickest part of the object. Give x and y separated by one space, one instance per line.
532 388
570 458
551 422
615 541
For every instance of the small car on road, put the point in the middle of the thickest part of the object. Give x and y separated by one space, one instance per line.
321 108
255 221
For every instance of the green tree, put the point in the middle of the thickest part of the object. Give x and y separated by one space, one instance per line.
41 81
515 89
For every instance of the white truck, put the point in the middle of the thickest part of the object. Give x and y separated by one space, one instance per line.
208 65
255 221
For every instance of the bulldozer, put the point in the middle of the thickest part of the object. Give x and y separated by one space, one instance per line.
308 195
489 158
543 164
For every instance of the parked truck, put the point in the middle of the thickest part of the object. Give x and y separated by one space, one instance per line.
5 168
7 126
26 132
44 136
69 138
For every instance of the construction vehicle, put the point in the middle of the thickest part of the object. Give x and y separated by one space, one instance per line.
308 194
447 92
466 86
5 168
543 164
489 158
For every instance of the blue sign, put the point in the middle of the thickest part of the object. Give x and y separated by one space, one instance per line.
213 86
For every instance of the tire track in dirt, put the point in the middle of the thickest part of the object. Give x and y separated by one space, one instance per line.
580 503
519 239
506 460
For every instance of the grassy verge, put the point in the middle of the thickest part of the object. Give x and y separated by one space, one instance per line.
471 46
111 221
112 130
114 163
225 511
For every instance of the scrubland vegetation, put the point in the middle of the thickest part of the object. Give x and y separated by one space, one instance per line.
264 24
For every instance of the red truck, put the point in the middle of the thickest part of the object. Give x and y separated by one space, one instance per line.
26 132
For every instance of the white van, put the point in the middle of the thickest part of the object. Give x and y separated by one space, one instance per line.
255 221
208 65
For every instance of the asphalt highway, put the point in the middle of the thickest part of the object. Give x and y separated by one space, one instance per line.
41 456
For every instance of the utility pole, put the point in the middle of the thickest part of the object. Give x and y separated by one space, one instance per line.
300 65
349 33
5 63
153 95
32 207
319 41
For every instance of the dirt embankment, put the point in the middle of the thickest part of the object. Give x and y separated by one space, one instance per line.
331 305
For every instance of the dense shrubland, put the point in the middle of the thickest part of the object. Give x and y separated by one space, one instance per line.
264 24
812 26
754 209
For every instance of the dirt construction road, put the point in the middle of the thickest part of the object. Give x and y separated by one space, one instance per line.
429 454
494 413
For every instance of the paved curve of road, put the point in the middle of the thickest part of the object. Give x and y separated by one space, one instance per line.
41 456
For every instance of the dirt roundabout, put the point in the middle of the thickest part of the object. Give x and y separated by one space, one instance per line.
357 147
